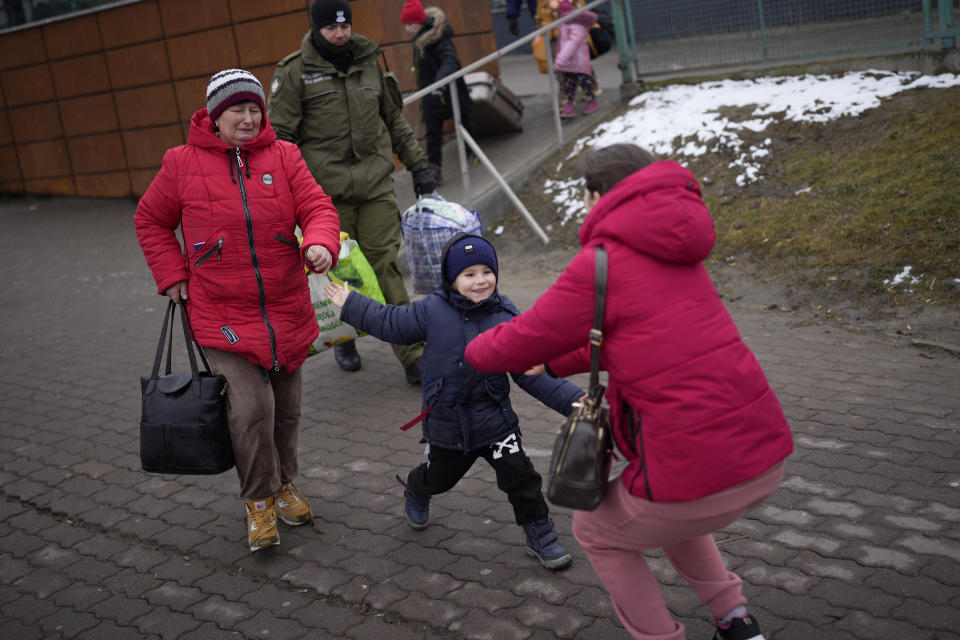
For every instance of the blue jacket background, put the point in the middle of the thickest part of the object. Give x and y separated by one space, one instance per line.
472 409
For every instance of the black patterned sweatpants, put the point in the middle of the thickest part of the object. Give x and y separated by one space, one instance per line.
515 475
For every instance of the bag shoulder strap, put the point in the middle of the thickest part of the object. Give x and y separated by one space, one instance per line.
166 335
600 297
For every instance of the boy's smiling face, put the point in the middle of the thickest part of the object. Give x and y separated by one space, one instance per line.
477 282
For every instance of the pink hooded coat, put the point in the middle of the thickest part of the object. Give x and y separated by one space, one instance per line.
705 418
573 52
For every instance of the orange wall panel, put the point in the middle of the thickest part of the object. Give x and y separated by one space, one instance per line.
11 186
469 16
265 75
191 95
146 107
141 179
138 65
22 48
269 41
96 154
104 185
244 10
67 38
27 85
89 104
80 76
473 47
189 16
51 186
400 59
203 53
145 147
130 24
9 164
89 114
368 20
44 159
6 135
36 122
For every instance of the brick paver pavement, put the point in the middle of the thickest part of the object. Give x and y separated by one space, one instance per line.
862 540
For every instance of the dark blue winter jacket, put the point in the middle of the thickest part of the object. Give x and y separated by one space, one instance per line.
470 409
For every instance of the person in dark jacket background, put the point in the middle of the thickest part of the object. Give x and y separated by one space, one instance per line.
513 13
469 413
435 58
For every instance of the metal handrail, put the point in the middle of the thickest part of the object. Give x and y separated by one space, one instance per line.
461 132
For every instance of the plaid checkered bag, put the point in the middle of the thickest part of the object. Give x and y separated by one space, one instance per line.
426 227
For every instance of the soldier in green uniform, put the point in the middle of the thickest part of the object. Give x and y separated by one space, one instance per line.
332 99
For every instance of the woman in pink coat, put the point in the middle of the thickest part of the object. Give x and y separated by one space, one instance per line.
692 412
238 194
573 58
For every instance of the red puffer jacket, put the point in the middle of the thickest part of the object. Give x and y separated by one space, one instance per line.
705 418
238 209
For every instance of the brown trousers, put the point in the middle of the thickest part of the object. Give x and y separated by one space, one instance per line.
263 409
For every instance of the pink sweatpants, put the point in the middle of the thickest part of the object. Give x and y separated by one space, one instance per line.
623 526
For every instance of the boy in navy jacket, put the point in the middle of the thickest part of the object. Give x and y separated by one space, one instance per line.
470 415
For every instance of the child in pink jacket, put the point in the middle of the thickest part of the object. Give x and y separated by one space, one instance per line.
573 58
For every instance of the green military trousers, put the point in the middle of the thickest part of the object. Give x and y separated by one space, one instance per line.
375 225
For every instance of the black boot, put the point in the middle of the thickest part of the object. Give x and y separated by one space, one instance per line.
346 355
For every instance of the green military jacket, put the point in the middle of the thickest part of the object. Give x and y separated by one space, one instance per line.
347 125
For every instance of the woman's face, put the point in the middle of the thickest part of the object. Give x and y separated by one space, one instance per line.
240 123
411 29
337 33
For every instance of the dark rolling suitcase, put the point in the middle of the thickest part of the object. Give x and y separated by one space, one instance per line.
495 108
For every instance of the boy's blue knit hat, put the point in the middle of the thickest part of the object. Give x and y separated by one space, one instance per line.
463 250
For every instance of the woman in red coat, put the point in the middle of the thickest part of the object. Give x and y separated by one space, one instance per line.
692 412
238 194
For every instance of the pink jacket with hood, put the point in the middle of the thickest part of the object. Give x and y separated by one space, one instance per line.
238 209
573 52
692 410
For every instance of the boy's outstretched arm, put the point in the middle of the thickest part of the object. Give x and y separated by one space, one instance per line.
337 294
404 324
557 393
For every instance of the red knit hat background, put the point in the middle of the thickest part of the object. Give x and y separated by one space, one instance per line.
412 13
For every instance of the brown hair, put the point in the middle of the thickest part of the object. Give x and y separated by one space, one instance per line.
605 167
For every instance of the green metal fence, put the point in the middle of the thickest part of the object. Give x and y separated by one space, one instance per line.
689 35
667 37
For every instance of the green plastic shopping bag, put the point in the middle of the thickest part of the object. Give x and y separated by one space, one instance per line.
352 268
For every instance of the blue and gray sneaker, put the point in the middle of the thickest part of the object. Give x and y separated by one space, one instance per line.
542 542
415 506
417 509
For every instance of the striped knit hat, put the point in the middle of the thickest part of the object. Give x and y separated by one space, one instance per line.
229 87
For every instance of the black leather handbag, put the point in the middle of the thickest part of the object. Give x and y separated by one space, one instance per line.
580 464
183 421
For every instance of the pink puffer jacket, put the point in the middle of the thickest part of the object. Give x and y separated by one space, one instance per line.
691 408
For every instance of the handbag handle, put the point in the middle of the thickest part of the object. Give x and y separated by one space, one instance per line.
600 297
168 338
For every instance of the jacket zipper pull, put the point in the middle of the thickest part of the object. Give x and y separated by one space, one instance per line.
239 161
276 365
219 248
